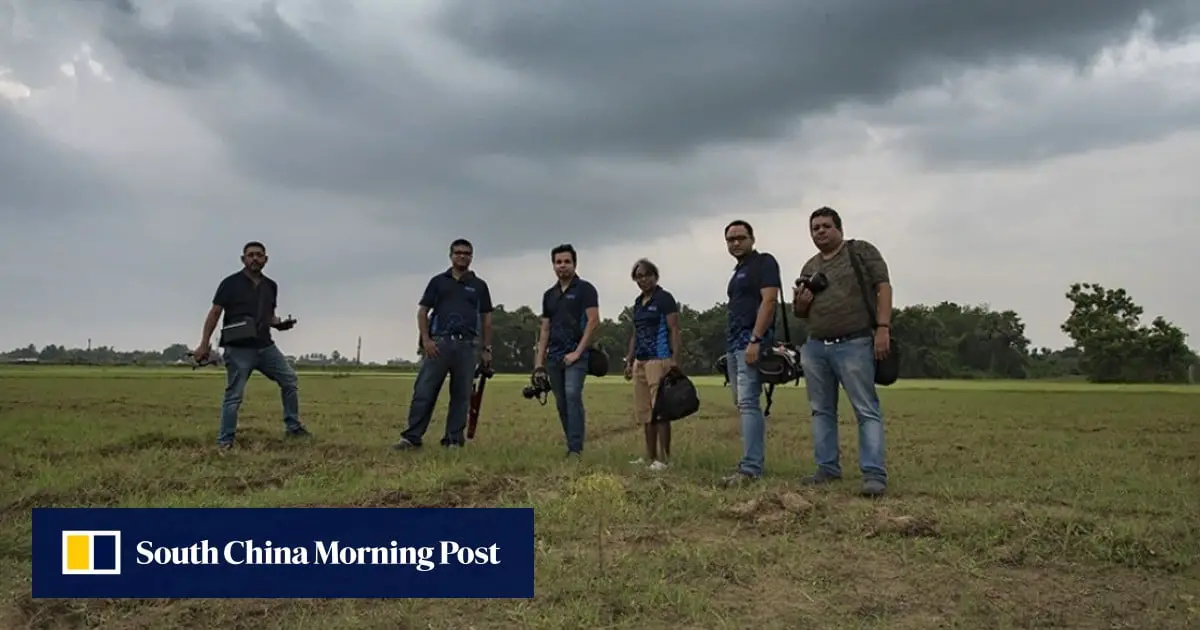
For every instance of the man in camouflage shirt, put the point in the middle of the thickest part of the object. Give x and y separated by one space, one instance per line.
842 346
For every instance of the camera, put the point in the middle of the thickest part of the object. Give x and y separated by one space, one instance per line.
816 282
539 386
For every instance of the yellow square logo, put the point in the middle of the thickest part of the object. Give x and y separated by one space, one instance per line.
91 552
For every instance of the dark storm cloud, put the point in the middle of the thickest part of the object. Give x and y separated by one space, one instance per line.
610 106
43 181
664 78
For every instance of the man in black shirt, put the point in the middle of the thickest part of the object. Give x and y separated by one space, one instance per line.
753 291
570 317
248 300
455 311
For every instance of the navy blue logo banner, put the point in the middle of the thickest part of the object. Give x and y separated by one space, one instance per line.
283 552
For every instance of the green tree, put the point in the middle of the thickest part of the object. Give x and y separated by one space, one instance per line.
1105 324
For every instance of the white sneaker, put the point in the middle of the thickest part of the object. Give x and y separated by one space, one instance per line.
638 462
658 466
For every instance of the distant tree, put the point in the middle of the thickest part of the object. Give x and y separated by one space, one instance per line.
1105 325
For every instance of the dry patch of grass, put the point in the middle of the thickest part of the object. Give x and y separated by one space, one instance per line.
1008 509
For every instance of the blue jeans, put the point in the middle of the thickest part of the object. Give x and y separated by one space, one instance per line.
851 363
270 362
458 358
567 384
746 386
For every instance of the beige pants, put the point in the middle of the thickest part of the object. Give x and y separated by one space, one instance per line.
646 377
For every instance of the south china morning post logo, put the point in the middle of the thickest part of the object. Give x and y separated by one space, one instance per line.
91 552
283 553
334 552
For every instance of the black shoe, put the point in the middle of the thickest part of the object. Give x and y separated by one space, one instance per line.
298 432
820 478
405 445
873 488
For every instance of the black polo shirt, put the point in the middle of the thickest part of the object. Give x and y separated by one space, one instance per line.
241 298
652 335
567 312
751 275
456 304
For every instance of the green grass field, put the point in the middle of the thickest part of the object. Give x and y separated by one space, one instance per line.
1012 505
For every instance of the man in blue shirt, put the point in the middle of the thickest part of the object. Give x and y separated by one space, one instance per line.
570 316
653 346
461 307
753 291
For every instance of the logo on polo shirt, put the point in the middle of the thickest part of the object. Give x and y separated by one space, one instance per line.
91 552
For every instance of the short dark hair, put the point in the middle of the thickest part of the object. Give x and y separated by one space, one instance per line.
257 244
749 228
565 248
644 263
826 211
462 242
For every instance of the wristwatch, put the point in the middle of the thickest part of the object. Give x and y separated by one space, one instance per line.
487 348
755 339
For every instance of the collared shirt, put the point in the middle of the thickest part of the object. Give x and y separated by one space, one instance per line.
240 298
751 275
652 336
456 304
567 312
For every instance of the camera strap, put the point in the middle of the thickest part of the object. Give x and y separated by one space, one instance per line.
787 339
862 283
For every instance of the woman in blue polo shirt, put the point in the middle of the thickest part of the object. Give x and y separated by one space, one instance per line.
652 350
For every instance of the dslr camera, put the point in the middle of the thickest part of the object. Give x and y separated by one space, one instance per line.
539 386
816 282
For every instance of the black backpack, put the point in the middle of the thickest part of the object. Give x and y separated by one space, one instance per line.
677 398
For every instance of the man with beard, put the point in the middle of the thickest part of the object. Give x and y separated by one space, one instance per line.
248 300
752 291
461 307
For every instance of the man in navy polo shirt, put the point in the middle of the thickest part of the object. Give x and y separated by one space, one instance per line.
570 316
753 291
455 311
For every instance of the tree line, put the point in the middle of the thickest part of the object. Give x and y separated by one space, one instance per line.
944 341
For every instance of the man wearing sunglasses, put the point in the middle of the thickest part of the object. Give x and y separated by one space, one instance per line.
454 317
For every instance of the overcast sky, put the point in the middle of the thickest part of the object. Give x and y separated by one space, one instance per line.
994 151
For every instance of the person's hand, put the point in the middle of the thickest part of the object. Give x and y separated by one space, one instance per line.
570 359
752 354
201 352
285 324
883 343
802 297
431 349
629 371
485 357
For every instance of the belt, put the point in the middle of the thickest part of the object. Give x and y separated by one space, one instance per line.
866 332
455 337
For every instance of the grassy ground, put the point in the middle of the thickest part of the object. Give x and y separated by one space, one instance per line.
1012 505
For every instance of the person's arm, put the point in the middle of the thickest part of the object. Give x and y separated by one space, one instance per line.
879 275
274 319
674 331
591 305
770 295
539 357
486 308
219 302
427 302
